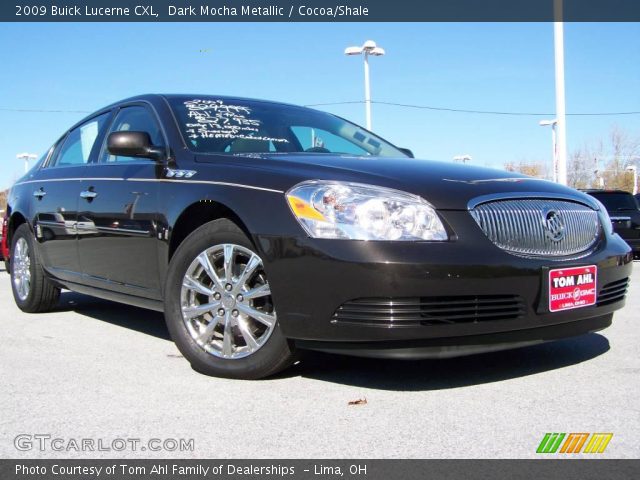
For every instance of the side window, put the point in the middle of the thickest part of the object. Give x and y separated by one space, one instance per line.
321 141
77 147
134 119
43 158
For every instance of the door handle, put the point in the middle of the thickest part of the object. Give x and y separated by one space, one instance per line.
39 194
88 194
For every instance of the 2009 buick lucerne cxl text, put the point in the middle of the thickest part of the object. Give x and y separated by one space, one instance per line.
261 228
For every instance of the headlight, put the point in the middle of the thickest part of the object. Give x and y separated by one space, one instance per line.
607 224
327 209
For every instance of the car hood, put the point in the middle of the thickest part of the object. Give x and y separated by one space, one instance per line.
446 185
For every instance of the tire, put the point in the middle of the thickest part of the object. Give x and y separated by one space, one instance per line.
32 290
228 335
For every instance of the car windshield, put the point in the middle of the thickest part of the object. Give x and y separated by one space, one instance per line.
617 201
225 125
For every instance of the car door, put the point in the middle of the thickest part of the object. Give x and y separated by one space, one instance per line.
56 187
118 211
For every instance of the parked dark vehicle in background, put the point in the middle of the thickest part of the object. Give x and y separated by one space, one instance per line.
262 228
625 215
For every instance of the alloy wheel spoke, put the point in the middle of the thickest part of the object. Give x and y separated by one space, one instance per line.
227 337
207 332
257 292
192 311
228 263
247 335
203 259
262 317
193 284
253 263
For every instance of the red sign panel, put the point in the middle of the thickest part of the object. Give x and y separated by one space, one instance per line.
572 287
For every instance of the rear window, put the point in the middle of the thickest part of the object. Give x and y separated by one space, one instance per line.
617 201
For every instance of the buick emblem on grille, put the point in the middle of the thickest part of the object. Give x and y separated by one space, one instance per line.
554 225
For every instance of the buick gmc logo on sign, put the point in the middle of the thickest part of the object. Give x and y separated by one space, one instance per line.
572 288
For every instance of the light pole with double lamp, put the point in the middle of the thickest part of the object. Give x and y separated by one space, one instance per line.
369 48
26 157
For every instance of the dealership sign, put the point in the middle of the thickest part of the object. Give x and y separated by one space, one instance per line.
572 288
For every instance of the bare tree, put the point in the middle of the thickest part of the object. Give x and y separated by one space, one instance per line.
603 163
625 150
3 199
533 169
583 166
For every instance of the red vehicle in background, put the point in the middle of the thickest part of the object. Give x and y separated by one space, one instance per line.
4 247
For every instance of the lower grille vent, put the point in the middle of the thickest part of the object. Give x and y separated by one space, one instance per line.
613 292
427 311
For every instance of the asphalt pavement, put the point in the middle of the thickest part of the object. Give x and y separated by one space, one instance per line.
108 373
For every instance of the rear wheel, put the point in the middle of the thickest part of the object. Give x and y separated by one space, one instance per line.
219 308
32 290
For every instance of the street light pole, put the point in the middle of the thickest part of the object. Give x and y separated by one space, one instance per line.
634 169
561 119
367 90
554 145
462 158
369 48
26 157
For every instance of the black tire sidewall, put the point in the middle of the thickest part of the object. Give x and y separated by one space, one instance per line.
273 356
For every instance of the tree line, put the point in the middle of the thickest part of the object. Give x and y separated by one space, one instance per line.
601 164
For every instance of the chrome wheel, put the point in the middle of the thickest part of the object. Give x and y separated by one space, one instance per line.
226 301
21 269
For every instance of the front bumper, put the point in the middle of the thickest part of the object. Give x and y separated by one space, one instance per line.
311 279
460 346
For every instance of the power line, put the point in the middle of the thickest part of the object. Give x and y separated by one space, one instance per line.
393 104
37 110
480 112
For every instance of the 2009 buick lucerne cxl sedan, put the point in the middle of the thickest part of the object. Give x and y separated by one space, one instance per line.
260 228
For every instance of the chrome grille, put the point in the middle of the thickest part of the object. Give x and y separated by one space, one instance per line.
538 227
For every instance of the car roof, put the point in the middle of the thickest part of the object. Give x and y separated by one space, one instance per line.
208 96
598 190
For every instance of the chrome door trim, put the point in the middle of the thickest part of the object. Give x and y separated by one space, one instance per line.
172 180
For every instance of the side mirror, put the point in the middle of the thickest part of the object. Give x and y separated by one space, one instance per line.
407 152
133 144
